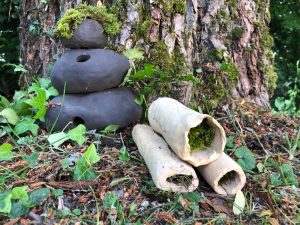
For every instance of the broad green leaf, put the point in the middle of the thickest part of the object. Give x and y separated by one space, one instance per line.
246 158
44 82
65 163
275 180
20 193
38 196
32 159
193 197
76 134
6 152
91 155
229 142
22 108
57 139
38 103
10 115
4 102
18 209
83 171
28 124
5 202
110 128
239 203
134 53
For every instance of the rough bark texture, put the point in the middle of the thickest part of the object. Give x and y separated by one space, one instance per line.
192 33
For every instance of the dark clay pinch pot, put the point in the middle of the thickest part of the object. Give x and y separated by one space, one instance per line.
96 110
89 34
86 71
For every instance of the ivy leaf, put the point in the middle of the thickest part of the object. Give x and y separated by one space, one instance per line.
37 197
28 124
57 139
44 83
76 134
39 103
246 158
134 53
18 209
32 159
83 171
51 92
139 100
10 115
20 193
5 202
57 192
91 155
110 128
6 152
239 203
193 197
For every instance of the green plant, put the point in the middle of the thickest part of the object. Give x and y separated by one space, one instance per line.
286 174
27 107
74 16
18 202
83 169
124 154
293 145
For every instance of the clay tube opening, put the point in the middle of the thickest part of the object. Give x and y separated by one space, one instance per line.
181 180
78 120
83 58
201 136
229 180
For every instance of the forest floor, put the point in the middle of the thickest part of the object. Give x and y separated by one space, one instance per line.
123 192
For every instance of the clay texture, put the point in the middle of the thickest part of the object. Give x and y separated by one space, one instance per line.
90 34
86 71
216 170
161 161
95 110
173 121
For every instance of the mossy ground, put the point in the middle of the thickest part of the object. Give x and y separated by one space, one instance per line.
201 137
74 17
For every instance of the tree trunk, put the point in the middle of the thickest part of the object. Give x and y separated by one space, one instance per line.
180 36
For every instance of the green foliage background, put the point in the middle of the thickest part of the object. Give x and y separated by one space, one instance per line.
9 45
285 28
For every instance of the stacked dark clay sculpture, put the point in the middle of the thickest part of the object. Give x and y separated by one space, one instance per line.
87 77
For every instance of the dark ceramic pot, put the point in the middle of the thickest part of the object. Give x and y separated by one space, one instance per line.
87 71
90 34
96 110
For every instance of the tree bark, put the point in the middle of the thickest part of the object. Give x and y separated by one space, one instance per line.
192 32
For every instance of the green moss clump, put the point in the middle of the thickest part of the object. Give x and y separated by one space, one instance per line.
237 32
201 137
227 178
180 179
173 6
75 16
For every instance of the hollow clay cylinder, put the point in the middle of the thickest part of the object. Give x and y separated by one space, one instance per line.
162 163
224 175
174 121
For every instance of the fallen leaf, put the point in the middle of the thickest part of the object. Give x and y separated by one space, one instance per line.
219 205
239 203
273 221
166 216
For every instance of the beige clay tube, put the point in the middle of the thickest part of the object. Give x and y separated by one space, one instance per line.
174 121
224 175
164 166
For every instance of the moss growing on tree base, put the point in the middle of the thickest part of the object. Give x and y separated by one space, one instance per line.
75 16
201 137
